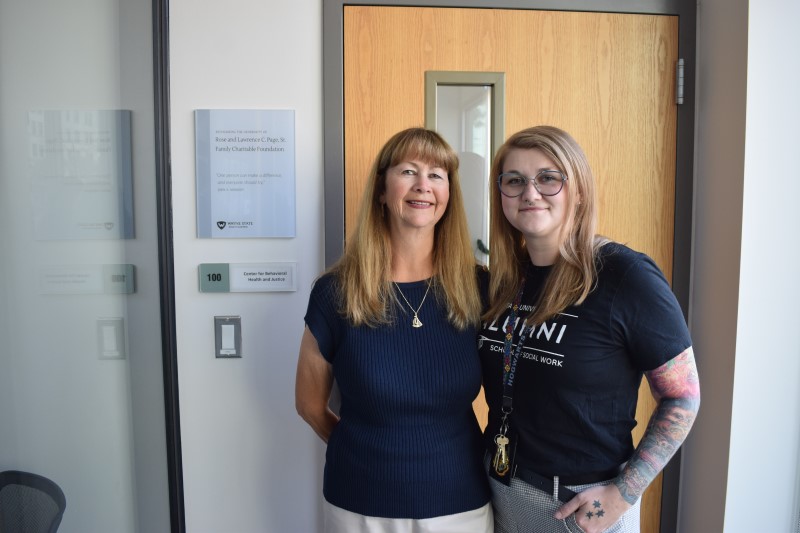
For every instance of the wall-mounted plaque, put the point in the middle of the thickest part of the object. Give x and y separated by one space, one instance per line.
245 173
247 277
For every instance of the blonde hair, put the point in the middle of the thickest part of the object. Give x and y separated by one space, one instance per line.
364 271
574 273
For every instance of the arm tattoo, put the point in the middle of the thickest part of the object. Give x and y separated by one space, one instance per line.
676 387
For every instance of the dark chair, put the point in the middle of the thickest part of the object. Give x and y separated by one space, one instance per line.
29 503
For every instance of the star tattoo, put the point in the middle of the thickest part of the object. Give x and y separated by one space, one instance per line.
600 513
596 504
589 515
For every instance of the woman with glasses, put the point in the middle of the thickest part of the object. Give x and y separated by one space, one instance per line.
395 322
574 321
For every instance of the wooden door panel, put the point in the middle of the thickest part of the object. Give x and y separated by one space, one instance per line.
606 78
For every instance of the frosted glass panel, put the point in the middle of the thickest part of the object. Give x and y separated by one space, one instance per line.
81 368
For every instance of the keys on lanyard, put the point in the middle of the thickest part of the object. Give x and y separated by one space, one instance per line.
501 463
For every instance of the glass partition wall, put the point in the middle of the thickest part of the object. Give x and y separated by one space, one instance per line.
81 368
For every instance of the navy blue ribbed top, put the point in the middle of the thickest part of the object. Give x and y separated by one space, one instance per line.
407 444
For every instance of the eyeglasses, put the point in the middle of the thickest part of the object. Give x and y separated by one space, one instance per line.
547 182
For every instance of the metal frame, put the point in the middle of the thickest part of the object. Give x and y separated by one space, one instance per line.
169 352
497 80
333 116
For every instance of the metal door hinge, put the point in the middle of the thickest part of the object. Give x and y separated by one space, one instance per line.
679 82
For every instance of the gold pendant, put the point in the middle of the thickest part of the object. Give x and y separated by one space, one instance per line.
501 462
416 323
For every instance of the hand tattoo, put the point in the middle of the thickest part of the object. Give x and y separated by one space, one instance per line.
599 513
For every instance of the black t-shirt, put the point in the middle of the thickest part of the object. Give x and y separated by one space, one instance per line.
577 379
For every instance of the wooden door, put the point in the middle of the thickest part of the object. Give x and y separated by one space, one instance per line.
606 78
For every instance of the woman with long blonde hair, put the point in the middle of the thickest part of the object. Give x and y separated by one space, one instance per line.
574 321
395 323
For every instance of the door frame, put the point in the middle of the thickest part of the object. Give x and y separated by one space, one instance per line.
163 176
333 137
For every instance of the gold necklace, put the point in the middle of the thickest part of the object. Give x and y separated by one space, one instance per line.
415 322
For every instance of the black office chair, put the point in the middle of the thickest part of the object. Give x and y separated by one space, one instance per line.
29 503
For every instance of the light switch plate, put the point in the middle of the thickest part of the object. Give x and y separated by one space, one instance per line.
227 336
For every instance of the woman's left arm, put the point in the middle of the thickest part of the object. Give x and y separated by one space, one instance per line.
676 388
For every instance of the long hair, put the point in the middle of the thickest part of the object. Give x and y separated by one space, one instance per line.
574 273
364 271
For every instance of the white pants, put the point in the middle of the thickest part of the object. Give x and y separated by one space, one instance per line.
338 520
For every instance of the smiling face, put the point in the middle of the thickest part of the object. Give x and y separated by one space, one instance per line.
416 195
539 218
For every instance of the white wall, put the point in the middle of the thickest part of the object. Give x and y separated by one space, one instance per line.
741 461
766 401
249 463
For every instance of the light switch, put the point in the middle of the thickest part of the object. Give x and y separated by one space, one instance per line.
228 344
228 336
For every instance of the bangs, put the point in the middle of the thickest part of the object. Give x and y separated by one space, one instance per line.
426 148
